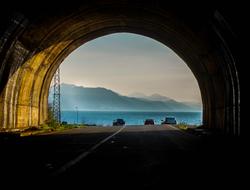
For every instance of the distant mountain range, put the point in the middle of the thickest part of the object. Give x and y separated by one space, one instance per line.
153 97
158 97
102 99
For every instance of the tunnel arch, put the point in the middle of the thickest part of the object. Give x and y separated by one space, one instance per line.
39 48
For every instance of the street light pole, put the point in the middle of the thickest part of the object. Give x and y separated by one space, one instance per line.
76 115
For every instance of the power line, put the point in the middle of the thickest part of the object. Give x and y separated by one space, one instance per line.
56 97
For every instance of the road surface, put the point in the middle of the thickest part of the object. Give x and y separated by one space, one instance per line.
131 156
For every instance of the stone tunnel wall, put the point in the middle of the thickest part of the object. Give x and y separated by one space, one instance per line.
33 46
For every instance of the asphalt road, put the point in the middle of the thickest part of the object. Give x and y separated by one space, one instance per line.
132 157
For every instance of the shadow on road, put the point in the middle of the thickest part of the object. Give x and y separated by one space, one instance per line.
143 159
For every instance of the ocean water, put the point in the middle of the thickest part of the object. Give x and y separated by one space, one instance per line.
131 118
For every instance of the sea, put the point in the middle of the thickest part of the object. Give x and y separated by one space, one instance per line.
106 118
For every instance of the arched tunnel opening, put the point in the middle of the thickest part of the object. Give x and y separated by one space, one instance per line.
127 76
34 44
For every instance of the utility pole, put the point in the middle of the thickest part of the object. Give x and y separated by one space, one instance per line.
57 97
76 115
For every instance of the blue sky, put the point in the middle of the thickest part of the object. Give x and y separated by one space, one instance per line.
129 63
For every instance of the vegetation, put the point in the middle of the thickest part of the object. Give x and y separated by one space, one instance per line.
51 125
182 126
193 129
48 128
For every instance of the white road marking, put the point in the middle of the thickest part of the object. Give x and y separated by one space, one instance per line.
84 154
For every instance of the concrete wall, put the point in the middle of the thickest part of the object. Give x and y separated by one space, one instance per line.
33 46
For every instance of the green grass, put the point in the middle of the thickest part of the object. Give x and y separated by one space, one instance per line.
47 128
182 126
185 126
189 128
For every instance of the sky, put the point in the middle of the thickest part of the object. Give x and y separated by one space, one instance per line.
129 63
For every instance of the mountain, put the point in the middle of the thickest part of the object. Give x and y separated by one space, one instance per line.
102 99
137 95
157 97
194 105
153 97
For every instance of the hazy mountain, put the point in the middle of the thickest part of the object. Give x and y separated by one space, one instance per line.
101 99
137 95
194 105
158 97
153 97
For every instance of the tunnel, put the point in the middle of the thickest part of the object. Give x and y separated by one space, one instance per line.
34 42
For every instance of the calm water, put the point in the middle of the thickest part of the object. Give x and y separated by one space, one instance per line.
131 118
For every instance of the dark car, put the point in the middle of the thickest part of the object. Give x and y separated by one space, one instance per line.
149 122
118 122
169 120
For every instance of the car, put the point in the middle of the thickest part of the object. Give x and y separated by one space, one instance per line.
64 123
149 122
118 122
169 120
